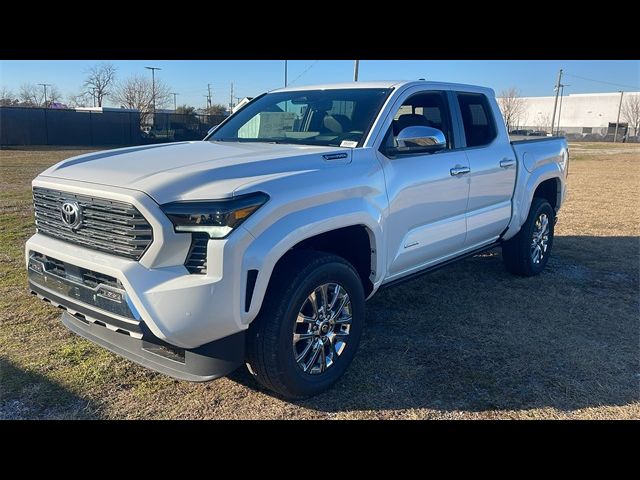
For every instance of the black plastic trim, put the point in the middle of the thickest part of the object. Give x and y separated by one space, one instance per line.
433 268
207 362
88 312
252 276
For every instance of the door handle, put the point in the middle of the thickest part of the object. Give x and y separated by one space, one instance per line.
459 170
507 162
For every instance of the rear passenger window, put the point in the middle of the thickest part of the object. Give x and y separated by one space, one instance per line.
479 128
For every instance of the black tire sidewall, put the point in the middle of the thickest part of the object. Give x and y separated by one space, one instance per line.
301 383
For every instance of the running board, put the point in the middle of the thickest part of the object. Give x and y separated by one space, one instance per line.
433 268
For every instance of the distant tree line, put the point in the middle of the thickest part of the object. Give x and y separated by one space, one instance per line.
100 85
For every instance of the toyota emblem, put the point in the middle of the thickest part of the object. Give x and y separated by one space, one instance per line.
71 214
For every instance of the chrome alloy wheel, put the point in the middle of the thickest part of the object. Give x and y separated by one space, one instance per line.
321 331
540 238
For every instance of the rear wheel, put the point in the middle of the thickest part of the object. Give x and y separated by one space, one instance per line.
309 327
528 252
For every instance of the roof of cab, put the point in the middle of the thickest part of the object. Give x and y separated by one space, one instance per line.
388 84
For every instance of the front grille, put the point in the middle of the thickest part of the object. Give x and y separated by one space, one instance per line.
109 226
197 259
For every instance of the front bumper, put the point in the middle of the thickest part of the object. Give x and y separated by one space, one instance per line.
100 310
204 363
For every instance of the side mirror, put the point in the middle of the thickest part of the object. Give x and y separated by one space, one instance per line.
419 139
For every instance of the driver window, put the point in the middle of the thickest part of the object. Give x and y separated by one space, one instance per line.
427 109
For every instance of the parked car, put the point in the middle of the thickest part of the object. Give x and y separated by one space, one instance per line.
261 243
524 133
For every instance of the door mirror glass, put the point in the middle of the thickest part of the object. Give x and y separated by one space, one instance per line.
418 139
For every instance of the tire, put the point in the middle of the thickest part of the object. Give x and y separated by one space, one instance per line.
518 252
271 347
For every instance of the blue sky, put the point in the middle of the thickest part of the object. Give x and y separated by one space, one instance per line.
250 77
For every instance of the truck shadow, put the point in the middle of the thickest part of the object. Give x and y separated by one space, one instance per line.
28 395
471 337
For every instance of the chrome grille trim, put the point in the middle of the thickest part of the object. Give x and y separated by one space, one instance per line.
108 226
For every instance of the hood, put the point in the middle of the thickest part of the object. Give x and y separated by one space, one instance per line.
193 170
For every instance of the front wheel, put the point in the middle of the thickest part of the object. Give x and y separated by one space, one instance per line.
309 327
527 253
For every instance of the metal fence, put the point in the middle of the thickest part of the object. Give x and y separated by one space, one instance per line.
42 126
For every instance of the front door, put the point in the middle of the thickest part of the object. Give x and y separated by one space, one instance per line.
428 192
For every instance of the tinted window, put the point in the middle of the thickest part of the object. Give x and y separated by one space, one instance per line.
479 128
424 109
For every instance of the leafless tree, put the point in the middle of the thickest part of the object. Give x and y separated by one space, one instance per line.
100 81
631 112
82 99
513 106
32 95
543 122
215 109
137 92
7 98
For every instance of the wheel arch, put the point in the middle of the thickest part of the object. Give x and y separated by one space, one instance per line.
349 235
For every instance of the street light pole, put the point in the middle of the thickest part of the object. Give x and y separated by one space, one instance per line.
615 135
356 66
175 105
555 105
153 86
45 85
560 108
285 73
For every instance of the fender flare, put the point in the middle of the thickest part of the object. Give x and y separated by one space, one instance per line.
523 195
270 246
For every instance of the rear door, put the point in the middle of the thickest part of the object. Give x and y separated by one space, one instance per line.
493 167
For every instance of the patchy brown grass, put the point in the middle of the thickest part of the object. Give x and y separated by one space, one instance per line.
469 341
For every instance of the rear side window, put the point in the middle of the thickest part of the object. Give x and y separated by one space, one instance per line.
477 119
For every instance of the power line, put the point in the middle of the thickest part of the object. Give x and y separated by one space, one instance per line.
305 71
602 81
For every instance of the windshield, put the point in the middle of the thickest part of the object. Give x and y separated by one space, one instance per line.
339 117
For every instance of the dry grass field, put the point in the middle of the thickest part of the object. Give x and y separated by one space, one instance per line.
467 342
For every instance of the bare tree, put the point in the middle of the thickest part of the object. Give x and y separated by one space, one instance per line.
82 99
137 92
216 109
543 122
631 112
100 81
7 98
513 106
32 95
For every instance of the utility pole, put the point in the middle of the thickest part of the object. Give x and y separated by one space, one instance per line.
285 74
555 105
615 135
231 100
209 96
356 65
175 105
93 95
562 85
153 86
45 85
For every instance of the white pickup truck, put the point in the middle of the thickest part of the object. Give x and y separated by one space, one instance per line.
260 244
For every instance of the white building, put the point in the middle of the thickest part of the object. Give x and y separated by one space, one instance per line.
579 113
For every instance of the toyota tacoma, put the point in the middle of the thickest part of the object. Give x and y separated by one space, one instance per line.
260 244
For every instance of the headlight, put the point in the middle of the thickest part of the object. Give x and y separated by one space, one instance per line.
218 218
